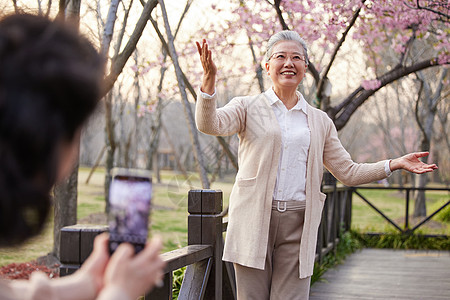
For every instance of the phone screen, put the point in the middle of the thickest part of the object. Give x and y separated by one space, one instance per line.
129 206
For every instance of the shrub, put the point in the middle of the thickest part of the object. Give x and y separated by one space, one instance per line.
403 241
348 243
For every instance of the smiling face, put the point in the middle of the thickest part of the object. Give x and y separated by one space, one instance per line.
286 66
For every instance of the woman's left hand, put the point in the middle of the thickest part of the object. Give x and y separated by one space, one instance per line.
411 162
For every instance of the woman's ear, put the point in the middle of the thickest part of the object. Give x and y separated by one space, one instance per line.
267 68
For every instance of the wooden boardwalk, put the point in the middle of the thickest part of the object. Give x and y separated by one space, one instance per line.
387 274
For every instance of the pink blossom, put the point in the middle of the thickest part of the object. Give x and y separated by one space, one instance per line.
371 84
134 68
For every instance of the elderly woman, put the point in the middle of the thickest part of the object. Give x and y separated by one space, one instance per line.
276 203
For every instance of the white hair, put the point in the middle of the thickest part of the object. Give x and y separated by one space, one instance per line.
286 35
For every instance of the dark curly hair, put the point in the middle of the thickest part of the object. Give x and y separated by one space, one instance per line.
50 82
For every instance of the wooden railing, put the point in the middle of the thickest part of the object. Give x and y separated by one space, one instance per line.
207 276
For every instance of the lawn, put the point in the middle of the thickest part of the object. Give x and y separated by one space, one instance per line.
392 204
169 216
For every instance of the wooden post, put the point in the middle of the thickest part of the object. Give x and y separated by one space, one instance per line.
164 292
205 228
76 245
348 215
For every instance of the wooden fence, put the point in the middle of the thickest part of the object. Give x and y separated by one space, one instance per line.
406 228
207 276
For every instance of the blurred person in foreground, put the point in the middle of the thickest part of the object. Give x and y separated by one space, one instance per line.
50 82
284 143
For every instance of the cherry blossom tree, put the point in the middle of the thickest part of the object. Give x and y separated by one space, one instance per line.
327 25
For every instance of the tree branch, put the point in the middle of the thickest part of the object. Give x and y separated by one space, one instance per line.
166 48
419 7
359 96
336 50
61 9
408 46
49 7
437 97
120 61
109 28
280 14
416 108
122 30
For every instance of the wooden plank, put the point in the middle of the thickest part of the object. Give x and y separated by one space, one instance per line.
163 292
387 274
186 256
195 280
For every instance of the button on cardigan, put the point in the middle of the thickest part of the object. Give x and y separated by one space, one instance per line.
253 119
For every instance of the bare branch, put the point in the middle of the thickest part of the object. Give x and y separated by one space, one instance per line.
120 61
122 30
359 96
280 14
419 7
416 108
16 9
436 98
109 27
61 9
166 48
408 46
336 50
186 9
49 7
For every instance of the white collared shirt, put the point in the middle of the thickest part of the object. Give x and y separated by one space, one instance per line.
296 138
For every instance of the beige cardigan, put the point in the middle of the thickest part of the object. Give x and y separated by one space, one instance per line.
253 119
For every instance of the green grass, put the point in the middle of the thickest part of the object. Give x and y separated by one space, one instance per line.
392 204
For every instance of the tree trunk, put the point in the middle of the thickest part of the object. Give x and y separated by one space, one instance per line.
110 142
65 193
65 202
428 114
187 108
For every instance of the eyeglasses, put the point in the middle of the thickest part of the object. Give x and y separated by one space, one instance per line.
283 56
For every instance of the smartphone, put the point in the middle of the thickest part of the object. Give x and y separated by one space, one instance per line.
130 196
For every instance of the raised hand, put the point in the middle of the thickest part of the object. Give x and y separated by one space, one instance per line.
412 163
209 68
